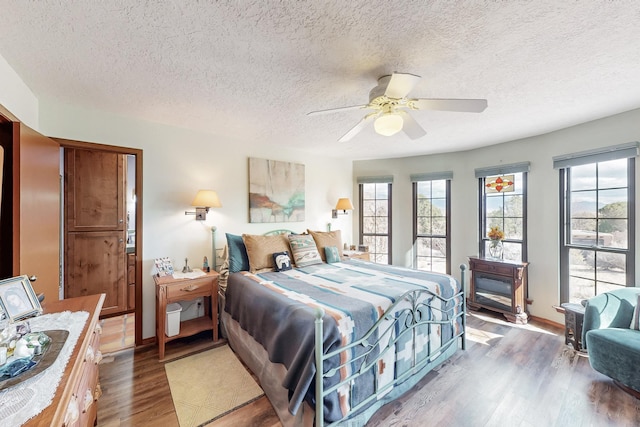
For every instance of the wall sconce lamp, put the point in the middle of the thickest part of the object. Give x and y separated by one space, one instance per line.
204 200
344 205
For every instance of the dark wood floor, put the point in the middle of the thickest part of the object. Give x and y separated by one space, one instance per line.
510 375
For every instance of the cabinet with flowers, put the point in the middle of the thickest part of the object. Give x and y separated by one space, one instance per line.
499 286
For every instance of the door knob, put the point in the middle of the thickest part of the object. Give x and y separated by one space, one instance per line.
33 278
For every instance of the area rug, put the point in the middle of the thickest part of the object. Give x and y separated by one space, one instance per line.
210 384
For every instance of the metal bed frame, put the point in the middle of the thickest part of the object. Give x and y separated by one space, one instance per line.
411 317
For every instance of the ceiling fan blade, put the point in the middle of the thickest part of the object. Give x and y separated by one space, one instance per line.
411 127
357 128
333 110
461 105
400 85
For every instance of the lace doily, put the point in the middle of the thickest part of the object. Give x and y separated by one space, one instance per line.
24 401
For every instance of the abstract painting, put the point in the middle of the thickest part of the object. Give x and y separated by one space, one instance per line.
276 191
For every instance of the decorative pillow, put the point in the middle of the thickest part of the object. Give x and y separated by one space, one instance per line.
331 254
282 261
327 238
238 258
635 320
304 250
260 250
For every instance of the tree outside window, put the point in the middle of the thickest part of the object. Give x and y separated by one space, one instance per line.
431 225
375 220
598 242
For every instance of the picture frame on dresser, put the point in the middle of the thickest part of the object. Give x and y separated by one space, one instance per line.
18 300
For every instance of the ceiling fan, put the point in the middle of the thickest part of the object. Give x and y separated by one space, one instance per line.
389 103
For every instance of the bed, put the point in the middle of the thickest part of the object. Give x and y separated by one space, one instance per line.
372 330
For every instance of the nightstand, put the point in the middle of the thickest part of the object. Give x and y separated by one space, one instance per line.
573 318
356 255
170 290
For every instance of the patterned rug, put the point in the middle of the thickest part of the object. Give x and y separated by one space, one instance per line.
210 384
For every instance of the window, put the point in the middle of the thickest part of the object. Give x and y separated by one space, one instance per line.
597 252
375 219
431 222
503 204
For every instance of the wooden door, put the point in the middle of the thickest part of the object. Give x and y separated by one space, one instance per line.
94 190
95 229
97 267
31 207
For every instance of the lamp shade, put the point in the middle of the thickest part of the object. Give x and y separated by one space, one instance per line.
344 204
388 124
207 199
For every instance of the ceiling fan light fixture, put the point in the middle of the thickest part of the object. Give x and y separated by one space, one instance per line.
388 124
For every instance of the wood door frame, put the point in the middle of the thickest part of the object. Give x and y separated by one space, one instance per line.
68 143
6 232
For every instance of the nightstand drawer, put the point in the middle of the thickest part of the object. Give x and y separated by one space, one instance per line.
189 289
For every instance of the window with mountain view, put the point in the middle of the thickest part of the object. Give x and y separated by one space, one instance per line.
375 220
598 212
431 219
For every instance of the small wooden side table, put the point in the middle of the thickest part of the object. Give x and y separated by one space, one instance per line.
356 255
573 318
170 290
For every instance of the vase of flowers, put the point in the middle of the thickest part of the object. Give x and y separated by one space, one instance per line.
495 236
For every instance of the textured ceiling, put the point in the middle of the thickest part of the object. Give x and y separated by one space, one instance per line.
251 70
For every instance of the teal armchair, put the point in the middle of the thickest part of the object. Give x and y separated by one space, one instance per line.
613 347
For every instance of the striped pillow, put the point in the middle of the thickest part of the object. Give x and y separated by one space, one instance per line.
304 250
635 321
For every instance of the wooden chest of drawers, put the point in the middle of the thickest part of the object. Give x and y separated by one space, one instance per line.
75 401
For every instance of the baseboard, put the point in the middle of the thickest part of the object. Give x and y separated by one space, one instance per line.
547 321
149 341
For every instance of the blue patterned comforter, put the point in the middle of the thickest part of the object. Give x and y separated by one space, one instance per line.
278 311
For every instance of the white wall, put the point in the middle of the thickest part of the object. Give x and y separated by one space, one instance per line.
543 198
16 96
176 164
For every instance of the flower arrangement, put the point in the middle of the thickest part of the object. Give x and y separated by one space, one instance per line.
495 233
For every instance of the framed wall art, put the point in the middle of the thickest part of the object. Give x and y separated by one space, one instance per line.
276 191
17 298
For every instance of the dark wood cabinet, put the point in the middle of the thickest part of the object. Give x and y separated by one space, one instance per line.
499 286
